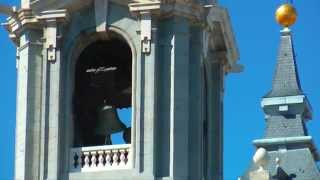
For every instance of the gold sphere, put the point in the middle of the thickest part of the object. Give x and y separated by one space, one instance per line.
286 15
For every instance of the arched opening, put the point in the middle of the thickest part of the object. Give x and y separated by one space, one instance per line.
103 93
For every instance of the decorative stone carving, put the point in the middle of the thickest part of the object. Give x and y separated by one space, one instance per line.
100 158
144 10
146 32
48 20
259 175
18 20
7 10
260 159
218 37
51 20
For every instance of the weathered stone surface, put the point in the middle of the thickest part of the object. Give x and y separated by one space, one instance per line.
177 93
259 175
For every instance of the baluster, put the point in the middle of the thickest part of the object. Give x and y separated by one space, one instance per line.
93 159
100 159
86 160
127 155
75 160
122 157
115 157
108 158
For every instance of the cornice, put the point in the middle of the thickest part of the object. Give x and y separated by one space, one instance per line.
285 141
26 19
168 8
218 16
7 10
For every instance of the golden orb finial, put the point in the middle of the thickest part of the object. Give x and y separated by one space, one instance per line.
286 15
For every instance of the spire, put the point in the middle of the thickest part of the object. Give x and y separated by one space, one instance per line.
286 79
286 148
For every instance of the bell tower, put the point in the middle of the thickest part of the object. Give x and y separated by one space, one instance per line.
80 63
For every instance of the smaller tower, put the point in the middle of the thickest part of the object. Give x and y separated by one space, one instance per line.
289 150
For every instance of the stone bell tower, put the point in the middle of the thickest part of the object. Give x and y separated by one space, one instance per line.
80 62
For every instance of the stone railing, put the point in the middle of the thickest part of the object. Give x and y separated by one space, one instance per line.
100 158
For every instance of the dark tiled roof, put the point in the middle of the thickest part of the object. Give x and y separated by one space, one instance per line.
286 79
297 158
282 126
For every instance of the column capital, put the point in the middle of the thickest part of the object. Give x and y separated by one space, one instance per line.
18 21
144 11
47 21
60 15
50 20
25 18
138 7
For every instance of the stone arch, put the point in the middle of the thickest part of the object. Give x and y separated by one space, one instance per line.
84 41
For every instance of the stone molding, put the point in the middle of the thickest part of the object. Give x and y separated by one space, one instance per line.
24 18
206 16
168 8
145 10
7 10
301 101
217 19
48 21
51 20
286 141
149 10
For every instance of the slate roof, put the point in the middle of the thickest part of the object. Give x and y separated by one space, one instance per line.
297 158
286 79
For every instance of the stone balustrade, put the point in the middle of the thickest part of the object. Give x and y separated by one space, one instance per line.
100 158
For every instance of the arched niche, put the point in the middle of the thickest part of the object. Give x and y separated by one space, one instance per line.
103 88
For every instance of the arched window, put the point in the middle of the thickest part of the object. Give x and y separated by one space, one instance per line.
103 93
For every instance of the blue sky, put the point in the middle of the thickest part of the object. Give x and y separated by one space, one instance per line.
257 36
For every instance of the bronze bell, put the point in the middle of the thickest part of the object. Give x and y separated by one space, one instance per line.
108 122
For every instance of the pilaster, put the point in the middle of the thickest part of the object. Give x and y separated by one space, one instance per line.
37 135
149 113
52 22
28 105
179 98
148 74
214 74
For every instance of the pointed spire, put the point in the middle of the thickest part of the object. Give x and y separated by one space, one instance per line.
286 79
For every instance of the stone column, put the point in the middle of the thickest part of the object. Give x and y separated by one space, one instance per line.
28 120
214 120
147 75
51 103
149 112
179 99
